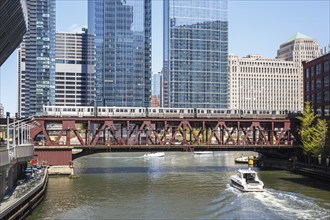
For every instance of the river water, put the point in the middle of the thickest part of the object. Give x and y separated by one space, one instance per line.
177 186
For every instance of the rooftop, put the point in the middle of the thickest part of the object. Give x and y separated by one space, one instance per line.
298 36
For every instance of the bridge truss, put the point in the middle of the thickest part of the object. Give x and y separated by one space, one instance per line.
160 132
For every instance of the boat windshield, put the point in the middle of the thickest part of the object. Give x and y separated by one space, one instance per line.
249 176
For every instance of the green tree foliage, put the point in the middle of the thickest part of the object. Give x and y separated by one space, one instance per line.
312 131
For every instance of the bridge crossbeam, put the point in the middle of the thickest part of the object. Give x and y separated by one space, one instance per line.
56 131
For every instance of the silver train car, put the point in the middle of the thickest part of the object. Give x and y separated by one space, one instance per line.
158 112
68 111
171 112
131 112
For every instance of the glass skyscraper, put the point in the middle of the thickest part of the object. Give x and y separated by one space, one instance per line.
37 59
122 31
195 53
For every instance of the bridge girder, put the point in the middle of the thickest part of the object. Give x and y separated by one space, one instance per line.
160 132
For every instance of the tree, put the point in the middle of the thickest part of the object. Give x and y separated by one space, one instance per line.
312 132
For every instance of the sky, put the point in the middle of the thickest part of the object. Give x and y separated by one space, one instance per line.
255 27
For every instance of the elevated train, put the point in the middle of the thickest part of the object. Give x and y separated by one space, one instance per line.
158 112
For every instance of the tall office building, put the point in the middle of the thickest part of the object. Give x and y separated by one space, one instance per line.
155 91
257 83
195 53
75 79
37 59
122 31
299 48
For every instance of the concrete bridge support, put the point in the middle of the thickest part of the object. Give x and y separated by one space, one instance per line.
12 177
3 184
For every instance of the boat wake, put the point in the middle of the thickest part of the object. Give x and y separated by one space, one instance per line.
291 205
270 204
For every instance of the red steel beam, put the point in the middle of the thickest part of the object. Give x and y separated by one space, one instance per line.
160 131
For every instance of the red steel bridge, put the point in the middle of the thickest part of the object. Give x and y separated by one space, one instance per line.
99 134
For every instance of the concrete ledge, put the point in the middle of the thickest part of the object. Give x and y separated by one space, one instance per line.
60 170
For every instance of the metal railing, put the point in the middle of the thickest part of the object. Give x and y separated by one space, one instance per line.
17 141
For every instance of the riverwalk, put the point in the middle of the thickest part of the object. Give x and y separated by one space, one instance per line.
25 196
315 171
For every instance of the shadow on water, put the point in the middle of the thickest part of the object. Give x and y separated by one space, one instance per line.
164 169
309 182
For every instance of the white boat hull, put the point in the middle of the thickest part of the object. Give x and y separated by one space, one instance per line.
247 187
203 152
158 154
247 180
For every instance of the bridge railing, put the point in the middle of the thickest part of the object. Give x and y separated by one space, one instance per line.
16 141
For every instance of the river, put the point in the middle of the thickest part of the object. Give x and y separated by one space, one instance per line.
177 186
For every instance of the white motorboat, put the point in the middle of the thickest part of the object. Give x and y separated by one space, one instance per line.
203 152
247 180
156 154
242 159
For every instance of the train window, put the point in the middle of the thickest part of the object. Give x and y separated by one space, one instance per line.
117 110
125 110
154 110
50 109
181 110
121 110
140 110
160 110
254 112
202 111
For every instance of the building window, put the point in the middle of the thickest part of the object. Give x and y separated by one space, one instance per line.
326 66
318 98
318 84
318 69
326 81
312 72
327 110
307 73
326 96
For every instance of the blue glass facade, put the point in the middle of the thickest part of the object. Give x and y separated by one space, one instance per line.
195 53
37 59
122 31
